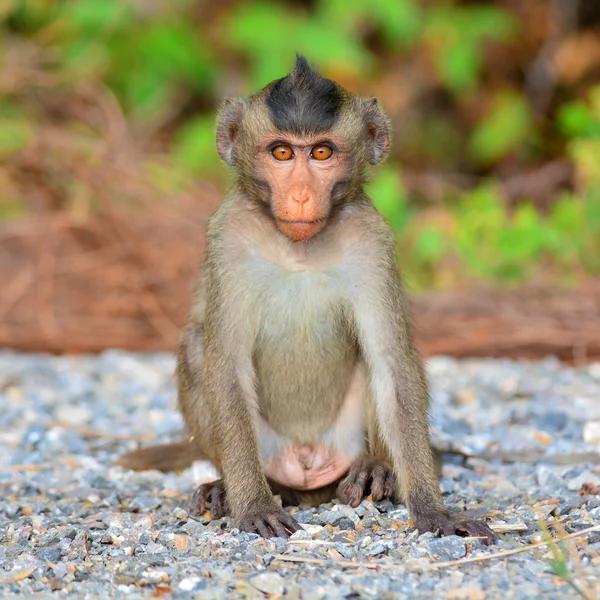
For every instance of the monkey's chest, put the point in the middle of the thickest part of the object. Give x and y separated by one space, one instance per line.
304 355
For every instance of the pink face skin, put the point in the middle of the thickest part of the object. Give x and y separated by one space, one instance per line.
301 173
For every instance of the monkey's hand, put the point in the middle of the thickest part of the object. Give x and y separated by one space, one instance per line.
451 523
364 475
269 522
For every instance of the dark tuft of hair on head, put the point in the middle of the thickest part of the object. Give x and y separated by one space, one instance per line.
304 102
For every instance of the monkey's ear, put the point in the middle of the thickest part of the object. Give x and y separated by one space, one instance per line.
228 129
378 131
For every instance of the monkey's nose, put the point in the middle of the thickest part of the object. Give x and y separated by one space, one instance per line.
301 196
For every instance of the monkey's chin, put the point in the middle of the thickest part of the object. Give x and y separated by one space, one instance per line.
300 231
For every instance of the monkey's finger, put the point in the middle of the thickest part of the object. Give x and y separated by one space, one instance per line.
477 529
277 526
199 500
290 523
378 476
216 506
342 491
363 476
378 488
260 527
389 489
355 494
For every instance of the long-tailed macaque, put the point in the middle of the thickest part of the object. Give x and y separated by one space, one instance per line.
296 372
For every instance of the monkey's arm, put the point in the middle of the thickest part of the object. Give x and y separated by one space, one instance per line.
401 399
228 385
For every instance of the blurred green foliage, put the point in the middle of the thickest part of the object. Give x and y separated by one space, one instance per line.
168 63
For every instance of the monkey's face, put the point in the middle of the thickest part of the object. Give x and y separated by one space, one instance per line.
301 173
300 147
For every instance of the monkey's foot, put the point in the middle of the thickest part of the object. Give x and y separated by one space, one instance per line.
271 522
450 523
210 496
367 474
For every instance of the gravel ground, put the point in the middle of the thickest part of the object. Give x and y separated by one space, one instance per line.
71 524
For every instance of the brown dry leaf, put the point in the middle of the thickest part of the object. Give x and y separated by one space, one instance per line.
589 488
576 56
543 438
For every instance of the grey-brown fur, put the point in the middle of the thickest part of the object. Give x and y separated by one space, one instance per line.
305 343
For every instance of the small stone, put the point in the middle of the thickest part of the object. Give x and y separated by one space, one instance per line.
73 414
268 583
192 584
145 502
465 396
312 529
553 421
52 553
154 548
547 477
503 488
346 524
180 514
331 517
451 547
376 549
591 432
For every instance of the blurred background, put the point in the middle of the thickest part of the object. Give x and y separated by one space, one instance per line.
108 166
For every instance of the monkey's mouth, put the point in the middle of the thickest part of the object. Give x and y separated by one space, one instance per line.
300 230
299 222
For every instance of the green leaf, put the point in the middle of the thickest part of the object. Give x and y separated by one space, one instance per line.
430 245
15 135
194 147
147 92
507 127
174 50
398 20
388 197
93 15
456 34
577 119
245 30
459 67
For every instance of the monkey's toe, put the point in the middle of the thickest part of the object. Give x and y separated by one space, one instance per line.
270 523
211 497
367 474
449 523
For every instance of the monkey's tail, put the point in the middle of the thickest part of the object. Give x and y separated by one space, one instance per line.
165 457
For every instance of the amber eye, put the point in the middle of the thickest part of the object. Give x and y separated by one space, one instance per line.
282 152
321 152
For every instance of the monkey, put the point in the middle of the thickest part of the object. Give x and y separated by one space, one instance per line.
296 372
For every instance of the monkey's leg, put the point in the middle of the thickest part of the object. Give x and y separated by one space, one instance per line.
401 403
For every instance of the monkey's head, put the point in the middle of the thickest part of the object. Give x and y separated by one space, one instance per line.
300 147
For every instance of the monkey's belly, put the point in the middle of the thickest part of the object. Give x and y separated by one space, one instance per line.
306 467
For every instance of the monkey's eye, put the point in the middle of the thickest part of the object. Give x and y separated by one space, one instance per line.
282 152
321 152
